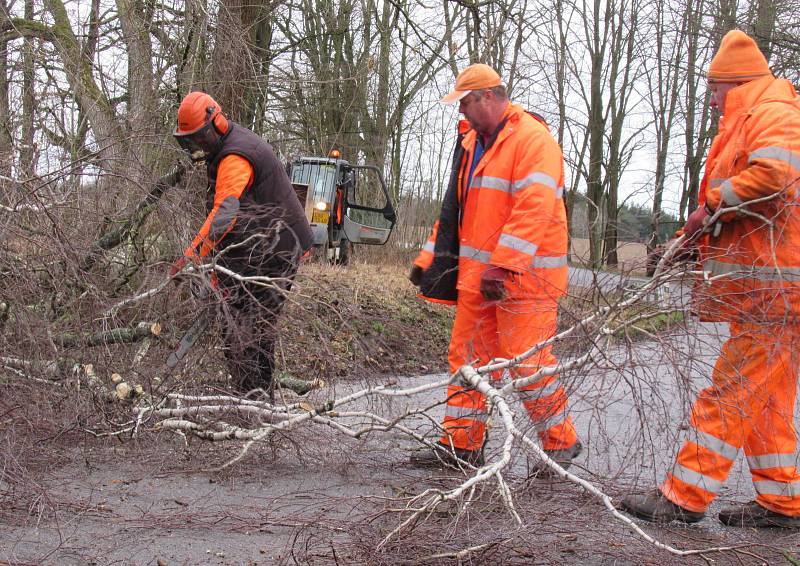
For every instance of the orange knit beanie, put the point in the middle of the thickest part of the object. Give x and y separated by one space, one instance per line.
738 60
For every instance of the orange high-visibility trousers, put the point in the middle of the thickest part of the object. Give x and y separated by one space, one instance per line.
484 330
750 405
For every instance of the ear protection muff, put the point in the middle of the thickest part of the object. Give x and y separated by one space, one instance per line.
219 121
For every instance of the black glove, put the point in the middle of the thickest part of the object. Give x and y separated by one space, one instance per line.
493 283
416 275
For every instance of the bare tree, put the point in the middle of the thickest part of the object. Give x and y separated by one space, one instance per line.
623 74
664 80
609 39
696 126
6 142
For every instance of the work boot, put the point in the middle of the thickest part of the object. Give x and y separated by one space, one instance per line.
563 457
754 515
654 507
444 456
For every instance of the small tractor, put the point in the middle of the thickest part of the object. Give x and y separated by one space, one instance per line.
345 204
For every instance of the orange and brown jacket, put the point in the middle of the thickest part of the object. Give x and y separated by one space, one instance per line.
253 213
752 268
510 215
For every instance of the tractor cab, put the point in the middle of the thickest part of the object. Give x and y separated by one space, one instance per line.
345 204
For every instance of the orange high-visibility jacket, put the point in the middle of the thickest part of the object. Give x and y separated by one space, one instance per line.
512 214
756 254
425 257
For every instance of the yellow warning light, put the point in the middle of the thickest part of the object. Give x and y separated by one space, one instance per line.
335 154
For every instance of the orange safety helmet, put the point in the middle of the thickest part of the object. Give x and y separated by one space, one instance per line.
201 125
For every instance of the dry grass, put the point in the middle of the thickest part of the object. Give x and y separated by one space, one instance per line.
632 256
362 318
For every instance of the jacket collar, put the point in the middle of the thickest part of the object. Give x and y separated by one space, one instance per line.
743 97
214 155
510 119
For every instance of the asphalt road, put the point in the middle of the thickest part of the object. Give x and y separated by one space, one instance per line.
604 280
314 496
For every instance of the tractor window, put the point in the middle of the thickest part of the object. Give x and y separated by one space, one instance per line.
320 177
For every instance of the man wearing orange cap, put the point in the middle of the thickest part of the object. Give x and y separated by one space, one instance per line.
499 253
255 225
752 260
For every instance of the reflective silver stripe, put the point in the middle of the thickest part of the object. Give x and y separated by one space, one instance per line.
560 192
550 262
741 271
539 393
496 183
767 487
778 153
729 195
469 252
428 247
551 421
765 461
456 412
225 215
538 177
714 444
713 183
517 244
696 478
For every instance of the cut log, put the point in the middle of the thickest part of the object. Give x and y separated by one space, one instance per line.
139 332
47 367
299 386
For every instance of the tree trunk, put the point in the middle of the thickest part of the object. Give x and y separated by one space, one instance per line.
596 127
136 22
6 138
99 111
193 49
27 149
763 24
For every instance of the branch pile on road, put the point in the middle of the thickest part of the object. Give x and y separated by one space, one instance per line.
210 417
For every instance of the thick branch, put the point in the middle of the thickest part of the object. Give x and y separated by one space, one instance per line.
15 28
114 238
114 336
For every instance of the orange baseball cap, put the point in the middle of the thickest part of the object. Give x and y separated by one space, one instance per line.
474 77
738 59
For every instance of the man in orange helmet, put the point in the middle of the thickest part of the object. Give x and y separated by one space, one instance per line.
255 226
753 259
499 253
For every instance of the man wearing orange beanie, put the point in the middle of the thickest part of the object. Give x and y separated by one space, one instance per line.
752 260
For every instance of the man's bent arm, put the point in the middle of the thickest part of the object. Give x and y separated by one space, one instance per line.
234 176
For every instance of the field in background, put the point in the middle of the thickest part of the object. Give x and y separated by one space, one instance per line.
632 255
404 247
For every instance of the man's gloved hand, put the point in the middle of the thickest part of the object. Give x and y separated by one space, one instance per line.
686 253
178 265
696 222
493 286
415 276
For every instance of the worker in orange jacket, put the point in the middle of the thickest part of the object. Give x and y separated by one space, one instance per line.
255 226
499 253
752 263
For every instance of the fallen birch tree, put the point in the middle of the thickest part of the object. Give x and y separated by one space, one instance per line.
207 417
